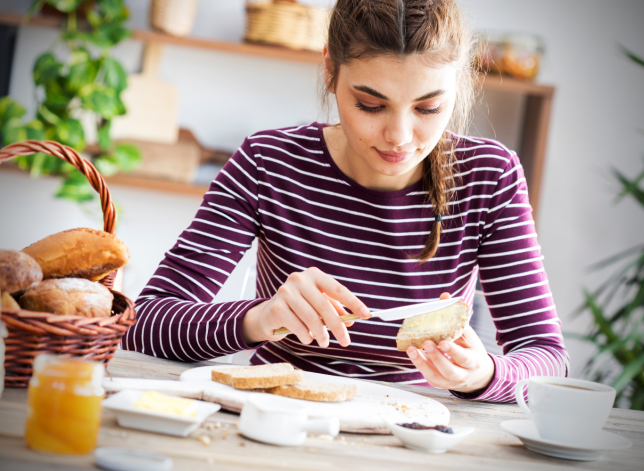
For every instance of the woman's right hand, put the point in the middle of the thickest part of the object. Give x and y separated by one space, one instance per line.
307 303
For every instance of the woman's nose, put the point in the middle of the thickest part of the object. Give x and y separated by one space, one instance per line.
399 131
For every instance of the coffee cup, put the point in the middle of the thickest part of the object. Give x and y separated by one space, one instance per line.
566 409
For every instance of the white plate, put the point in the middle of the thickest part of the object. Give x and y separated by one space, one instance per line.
526 431
122 404
362 414
430 441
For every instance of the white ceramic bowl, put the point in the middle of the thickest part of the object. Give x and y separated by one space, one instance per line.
122 404
430 441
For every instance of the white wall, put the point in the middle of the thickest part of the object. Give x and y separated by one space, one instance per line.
598 105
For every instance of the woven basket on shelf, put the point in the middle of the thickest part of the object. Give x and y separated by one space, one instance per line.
33 333
286 23
174 17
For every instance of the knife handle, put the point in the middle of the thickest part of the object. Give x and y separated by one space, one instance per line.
284 330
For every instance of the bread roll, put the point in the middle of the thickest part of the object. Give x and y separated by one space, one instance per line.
18 271
79 253
7 302
446 323
69 296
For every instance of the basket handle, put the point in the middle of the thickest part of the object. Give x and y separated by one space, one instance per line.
85 167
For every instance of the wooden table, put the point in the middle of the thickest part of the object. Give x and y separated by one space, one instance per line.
489 448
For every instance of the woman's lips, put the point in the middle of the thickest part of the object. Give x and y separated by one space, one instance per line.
394 157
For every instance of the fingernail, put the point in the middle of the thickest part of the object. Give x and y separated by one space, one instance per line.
412 352
344 341
444 347
365 312
428 347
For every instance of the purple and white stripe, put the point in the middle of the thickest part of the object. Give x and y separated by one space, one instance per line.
283 188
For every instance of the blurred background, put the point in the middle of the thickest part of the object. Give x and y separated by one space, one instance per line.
207 73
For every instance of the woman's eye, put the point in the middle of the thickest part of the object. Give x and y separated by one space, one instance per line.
368 109
435 110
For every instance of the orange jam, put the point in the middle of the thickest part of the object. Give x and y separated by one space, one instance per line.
64 405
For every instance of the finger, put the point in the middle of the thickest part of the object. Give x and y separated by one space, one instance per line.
471 337
446 368
327 312
310 316
461 356
427 369
444 295
341 293
287 318
340 310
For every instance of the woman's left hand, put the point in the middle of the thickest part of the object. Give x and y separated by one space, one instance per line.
460 365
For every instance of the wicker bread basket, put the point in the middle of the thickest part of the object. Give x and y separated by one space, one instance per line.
33 333
286 23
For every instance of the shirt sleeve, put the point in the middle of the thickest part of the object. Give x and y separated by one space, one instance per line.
517 292
176 316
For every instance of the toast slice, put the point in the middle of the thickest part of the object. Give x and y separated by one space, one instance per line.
257 377
446 323
316 391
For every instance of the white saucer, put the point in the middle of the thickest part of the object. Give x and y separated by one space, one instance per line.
526 431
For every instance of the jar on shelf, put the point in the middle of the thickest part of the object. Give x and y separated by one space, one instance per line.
64 405
515 54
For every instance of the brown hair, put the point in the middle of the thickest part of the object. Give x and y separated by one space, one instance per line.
432 28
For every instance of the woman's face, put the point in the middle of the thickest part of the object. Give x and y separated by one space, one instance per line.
392 114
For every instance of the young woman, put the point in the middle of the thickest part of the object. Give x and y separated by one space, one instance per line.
392 206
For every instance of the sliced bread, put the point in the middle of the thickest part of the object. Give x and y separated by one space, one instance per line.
446 323
316 391
257 377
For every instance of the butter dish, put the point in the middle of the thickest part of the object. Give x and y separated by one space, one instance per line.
122 405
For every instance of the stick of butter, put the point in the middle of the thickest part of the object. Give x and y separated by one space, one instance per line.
157 402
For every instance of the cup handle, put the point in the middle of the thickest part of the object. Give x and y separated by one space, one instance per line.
322 426
518 395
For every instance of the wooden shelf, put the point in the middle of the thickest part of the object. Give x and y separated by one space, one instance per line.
490 82
536 117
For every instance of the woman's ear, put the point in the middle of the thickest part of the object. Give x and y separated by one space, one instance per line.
328 69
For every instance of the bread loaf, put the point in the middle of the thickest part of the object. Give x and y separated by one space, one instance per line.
7 302
257 377
79 253
69 296
316 391
18 271
446 323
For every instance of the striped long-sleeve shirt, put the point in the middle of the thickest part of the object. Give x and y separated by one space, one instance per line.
283 188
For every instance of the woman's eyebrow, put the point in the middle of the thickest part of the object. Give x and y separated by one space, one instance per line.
377 94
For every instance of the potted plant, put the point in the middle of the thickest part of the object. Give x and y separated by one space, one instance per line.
617 309
88 83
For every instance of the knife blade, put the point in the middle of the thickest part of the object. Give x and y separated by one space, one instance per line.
396 313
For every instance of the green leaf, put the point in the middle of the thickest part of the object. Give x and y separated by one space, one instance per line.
70 132
113 33
628 373
127 156
46 69
56 95
35 6
104 140
65 6
82 70
9 109
75 187
106 165
48 116
632 56
600 320
115 75
13 131
101 99
112 9
35 129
